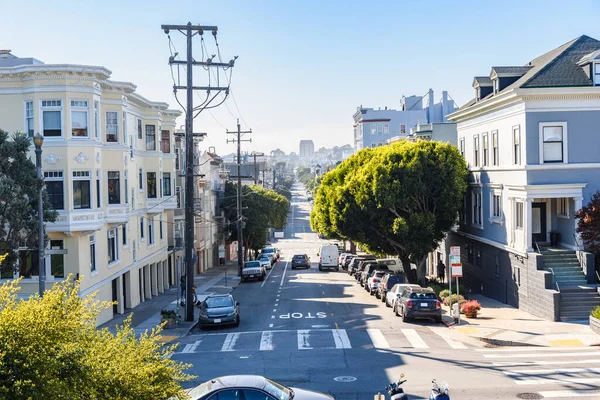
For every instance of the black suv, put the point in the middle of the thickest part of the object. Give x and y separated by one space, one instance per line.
418 303
387 282
353 265
360 268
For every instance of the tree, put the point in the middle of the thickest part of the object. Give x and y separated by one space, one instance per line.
588 226
50 348
19 194
398 199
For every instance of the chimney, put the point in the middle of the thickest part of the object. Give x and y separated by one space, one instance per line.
444 106
430 107
386 107
5 53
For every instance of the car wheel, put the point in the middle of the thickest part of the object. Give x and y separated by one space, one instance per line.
337 269
262 277
293 267
242 280
237 321
377 295
404 317
320 268
201 327
387 304
438 319
396 310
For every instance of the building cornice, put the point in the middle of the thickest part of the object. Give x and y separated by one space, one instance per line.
43 70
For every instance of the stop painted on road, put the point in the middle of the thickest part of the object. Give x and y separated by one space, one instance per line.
299 315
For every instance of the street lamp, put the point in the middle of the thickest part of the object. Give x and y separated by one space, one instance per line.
38 140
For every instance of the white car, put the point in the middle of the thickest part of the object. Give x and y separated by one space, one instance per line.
265 261
395 292
374 281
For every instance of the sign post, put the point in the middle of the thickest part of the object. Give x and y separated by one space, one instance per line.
457 272
454 261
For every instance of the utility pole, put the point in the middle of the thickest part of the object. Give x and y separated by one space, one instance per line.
240 224
255 172
189 31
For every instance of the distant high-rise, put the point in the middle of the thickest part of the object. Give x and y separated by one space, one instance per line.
307 149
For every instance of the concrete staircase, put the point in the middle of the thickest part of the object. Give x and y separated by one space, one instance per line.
577 297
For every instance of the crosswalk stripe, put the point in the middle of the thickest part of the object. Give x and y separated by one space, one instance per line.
340 337
547 381
303 343
543 355
453 343
530 348
230 341
266 341
525 372
378 339
570 393
195 346
414 339
542 362
187 348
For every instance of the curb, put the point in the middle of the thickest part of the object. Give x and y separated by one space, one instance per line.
505 343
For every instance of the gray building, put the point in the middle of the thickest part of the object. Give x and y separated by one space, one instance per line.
530 139
307 149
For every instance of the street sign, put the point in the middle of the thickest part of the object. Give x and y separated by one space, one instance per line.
454 260
221 251
457 271
455 251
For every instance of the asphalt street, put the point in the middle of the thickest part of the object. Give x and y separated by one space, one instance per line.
321 331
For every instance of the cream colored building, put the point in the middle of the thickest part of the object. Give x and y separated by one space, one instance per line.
109 167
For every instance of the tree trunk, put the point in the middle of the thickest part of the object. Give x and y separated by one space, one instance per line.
352 247
421 269
408 272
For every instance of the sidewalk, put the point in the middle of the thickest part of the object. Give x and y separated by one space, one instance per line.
216 280
503 325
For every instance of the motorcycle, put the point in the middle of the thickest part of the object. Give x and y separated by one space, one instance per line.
395 390
439 392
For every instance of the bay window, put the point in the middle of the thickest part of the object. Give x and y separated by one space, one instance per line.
114 188
52 118
55 189
29 129
166 184
79 118
151 185
150 137
81 189
112 126
165 143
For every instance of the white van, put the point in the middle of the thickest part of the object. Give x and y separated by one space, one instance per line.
328 257
393 264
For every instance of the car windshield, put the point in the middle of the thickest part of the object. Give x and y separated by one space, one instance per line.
277 390
269 250
252 264
427 296
214 302
200 390
379 274
263 257
394 279
298 257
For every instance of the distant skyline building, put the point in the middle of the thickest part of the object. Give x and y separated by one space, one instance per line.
307 149
373 128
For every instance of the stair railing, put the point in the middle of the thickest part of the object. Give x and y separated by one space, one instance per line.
554 279
576 241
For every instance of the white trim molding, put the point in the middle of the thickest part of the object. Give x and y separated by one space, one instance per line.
546 191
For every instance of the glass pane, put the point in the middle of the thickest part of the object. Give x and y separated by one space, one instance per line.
255 395
57 262
553 134
553 151
51 121
29 263
79 123
81 194
536 220
55 194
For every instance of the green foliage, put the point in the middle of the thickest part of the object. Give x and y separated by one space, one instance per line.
444 293
588 225
50 349
596 312
263 209
19 194
285 192
398 199
454 298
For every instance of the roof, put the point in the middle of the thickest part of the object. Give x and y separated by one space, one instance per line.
556 68
482 81
511 70
237 381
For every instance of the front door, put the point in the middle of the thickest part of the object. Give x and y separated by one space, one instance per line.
538 222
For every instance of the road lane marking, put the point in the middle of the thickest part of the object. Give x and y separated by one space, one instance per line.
284 270
530 348
270 325
526 372
272 316
570 393
187 348
274 310
414 339
453 343
268 275
340 337
378 339
266 341
303 343
543 362
547 381
230 341
531 355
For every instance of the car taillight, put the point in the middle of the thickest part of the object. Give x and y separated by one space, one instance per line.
320 259
438 305
409 304
374 280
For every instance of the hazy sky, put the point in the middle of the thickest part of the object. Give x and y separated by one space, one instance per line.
304 66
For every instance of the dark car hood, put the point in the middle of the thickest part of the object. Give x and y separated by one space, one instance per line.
304 394
219 310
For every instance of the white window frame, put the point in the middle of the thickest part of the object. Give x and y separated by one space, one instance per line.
125 235
150 224
373 128
52 105
160 228
562 207
115 125
162 185
476 150
517 149
80 106
476 207
118 179
124 127
495 149
96 120
597 74
141 179
57 176
113 234
496 217
98 189
386 129
461 146
82 175
29 121
496 85
519 216
565 147
93 257
141 225
485 150
403 129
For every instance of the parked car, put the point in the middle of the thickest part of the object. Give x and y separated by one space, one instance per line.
418 303
341 259
374 281
253 270
328 257
360 268
352 267
300 261
250 387
387 282
393 264
265 261
272 252
395 292
347 260
367 273
219 309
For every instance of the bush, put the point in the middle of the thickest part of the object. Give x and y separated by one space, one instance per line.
444 293
455 298
437 288
596 312
471 306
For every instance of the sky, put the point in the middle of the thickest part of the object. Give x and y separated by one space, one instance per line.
304 66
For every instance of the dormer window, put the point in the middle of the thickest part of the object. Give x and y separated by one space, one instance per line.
495 83
597 74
